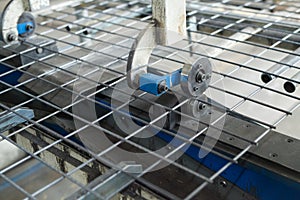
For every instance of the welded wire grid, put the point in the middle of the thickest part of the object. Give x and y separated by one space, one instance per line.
76 25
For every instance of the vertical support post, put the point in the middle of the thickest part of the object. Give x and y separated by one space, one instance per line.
170 18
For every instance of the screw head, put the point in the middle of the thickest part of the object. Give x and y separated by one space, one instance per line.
223 184
208 76
29 27
11 37
39 50
201 106
196 89
199 77
162 87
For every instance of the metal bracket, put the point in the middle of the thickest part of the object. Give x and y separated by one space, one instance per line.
168 28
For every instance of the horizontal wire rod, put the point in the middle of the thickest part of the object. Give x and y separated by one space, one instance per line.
101 104
277 108
202 12
239 8
219 172
122 77
269 48
242 65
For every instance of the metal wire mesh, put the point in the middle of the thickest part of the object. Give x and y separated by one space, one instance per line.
106 29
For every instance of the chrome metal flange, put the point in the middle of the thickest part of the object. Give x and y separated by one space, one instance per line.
195 78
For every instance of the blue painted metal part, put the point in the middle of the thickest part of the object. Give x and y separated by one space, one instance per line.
175 78
150 82
11 78
22 28
10 120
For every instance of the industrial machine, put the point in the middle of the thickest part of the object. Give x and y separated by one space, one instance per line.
161 99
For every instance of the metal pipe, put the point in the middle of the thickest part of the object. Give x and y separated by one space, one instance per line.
291 86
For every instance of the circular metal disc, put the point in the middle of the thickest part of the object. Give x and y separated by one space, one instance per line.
10 11
196 108
140 54
195 78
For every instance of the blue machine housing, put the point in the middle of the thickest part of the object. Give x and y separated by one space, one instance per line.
10 78
22 28
150 82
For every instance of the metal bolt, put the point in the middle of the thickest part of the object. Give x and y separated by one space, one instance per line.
29 27
223 184
208 76
39 50
201 106
199 77
11 37
162 87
